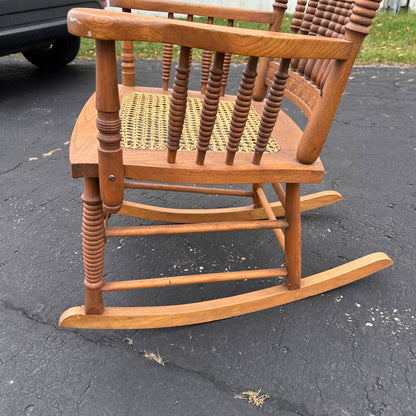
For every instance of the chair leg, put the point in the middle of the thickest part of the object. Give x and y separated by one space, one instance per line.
256 200
93 242
293 236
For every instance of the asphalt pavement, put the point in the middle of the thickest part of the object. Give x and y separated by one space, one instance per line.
348 352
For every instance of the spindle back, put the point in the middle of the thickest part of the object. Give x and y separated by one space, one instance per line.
317 85
307 76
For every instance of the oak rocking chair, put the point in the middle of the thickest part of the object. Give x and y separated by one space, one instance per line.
178 140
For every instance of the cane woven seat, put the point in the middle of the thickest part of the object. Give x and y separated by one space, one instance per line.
145 116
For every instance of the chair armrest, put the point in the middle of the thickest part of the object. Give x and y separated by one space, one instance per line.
110 25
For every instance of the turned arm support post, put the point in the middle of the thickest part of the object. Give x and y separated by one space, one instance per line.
110 158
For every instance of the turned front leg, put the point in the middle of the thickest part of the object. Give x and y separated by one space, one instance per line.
293 236
93 242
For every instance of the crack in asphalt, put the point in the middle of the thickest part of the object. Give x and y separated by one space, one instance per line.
81 397
33 318
12 169
276 403
279 402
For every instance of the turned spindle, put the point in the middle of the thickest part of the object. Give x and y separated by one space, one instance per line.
190 18
210 107
167 64
298 16
167 61
226 65
206 63
271 110
304 26
241 109
177 108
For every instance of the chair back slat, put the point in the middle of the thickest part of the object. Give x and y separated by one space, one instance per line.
241 109
178 100
210 106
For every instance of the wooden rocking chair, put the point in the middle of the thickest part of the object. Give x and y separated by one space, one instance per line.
128 136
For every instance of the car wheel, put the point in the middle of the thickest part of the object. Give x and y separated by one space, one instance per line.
55 55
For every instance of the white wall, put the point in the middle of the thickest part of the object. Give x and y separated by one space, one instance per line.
392 4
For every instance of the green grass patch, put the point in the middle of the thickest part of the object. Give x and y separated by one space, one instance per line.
392 40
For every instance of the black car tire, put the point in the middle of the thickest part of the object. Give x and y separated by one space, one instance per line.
55 55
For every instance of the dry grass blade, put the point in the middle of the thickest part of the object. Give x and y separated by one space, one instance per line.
149 355
154 357
253 397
